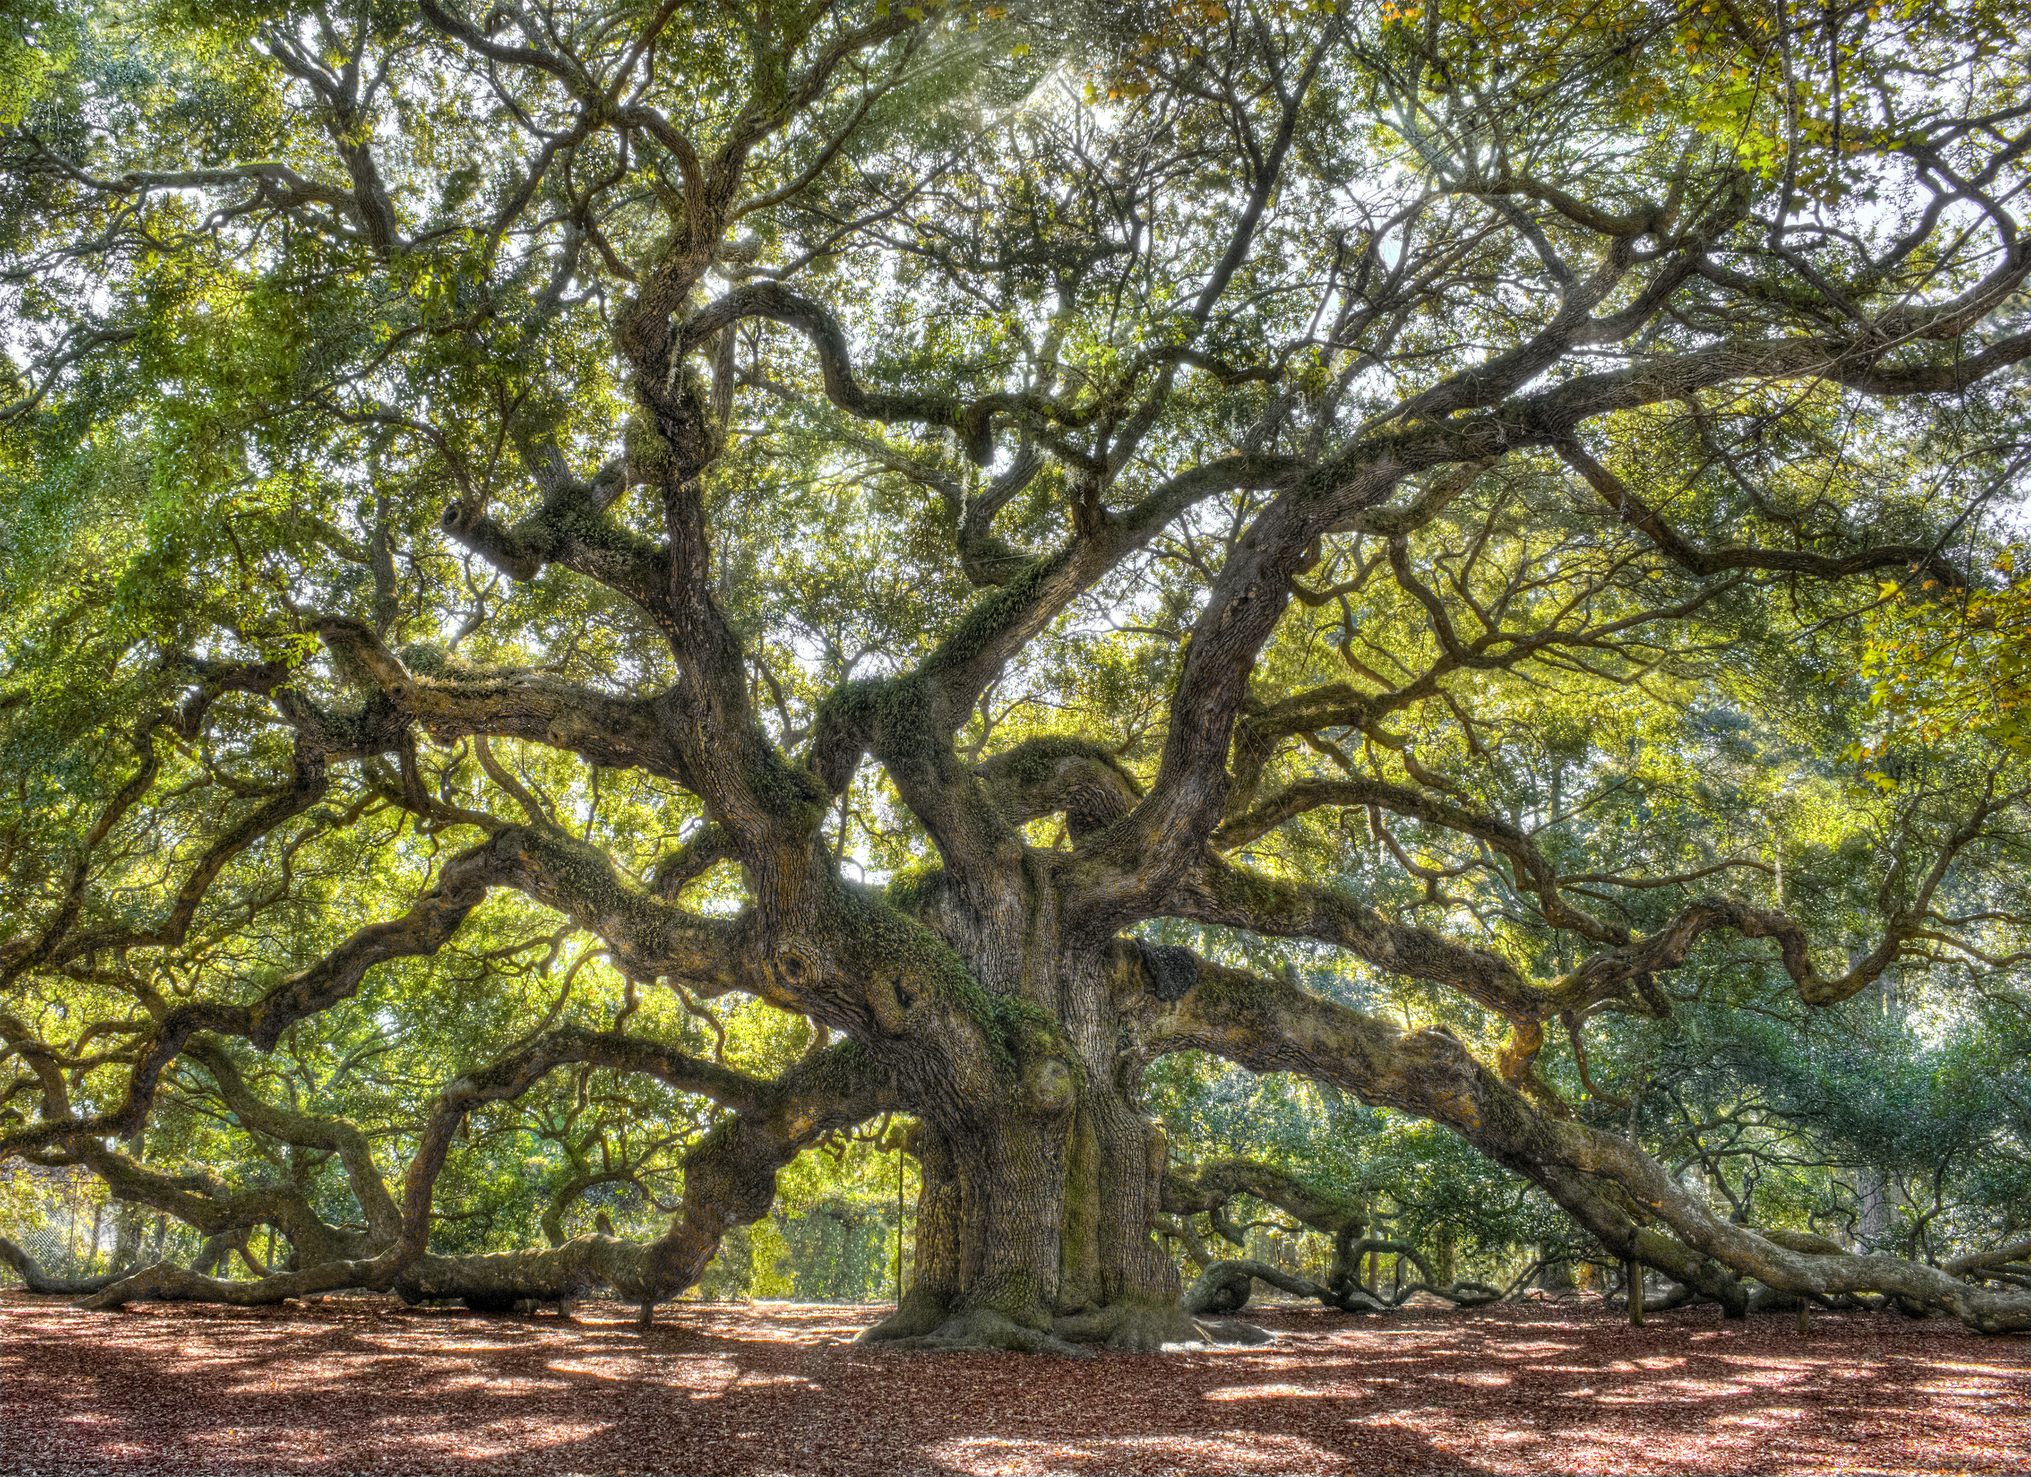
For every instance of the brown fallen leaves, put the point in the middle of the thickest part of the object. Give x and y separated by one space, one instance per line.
363 1385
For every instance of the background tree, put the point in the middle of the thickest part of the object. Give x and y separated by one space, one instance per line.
997 533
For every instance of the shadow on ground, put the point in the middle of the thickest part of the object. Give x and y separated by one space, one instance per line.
367 1386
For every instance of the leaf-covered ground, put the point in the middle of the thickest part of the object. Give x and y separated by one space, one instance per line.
364 1385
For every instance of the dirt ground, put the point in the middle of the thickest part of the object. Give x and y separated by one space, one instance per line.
364 1385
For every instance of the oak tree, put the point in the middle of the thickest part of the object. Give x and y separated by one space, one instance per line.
975 526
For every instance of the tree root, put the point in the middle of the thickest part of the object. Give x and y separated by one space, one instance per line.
919 1314
976 1330
1145 1328
923 1324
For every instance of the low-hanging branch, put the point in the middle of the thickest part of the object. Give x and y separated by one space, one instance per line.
1609 1185
729 1180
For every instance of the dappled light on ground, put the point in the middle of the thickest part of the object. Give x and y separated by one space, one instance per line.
364 1385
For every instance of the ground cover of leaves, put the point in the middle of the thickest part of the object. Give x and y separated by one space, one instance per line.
364 1385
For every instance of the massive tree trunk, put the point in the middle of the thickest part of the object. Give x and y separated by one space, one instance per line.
1035 1222
1035 1230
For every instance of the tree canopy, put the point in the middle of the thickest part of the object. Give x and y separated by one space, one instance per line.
606 594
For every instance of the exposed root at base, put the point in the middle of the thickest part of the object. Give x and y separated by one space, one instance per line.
1144 1328
976 1330
1136 1328
1231 1331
